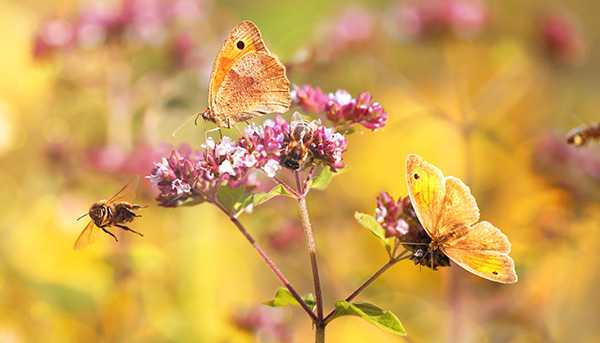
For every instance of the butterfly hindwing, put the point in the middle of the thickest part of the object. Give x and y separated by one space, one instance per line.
490 265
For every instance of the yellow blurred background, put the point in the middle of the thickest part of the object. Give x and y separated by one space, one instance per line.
488 100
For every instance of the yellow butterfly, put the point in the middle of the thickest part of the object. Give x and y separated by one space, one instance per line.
247 81
449 213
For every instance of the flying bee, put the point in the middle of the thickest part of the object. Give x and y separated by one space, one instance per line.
297 151
580 136
114 212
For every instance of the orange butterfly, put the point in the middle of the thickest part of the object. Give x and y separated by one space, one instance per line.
449 213
247 81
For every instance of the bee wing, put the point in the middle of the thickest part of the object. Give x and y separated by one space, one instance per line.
85 237
126 193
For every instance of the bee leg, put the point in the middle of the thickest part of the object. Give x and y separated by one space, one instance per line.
128 229
110 233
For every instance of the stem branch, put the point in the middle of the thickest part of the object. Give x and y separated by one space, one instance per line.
268 261
368 282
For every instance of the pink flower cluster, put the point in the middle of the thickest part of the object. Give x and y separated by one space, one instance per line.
189 174
146 20
427 18
399 220
391 214
340 107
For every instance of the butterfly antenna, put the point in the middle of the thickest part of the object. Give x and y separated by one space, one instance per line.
82 216
185 122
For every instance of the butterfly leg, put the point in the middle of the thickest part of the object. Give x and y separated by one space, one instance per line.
128 229
110 233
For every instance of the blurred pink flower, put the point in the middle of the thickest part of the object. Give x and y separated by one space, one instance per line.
430 18
561 40
266 323
571 167
182 51
145 20
288 235
52 36
353 27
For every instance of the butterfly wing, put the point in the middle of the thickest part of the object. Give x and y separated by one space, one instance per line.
85 237
447 210
483 251
426 189
255 85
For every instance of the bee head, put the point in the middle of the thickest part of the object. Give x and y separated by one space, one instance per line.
98 211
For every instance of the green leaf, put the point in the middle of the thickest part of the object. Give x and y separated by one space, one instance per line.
229 197
283 297
261 198
323 179
370 223
256 199
383 319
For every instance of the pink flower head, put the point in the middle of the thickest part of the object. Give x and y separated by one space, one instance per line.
389 215
399 220
310 99
178 177
342 109
329 146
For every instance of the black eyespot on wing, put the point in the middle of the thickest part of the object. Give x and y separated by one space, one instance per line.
495 273
240 45
416 176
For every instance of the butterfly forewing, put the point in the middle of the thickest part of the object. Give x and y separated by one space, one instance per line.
85 237
426 190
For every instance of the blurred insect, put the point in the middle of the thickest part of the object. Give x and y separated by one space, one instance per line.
247 81
297 151
114 212
450 216
580 136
